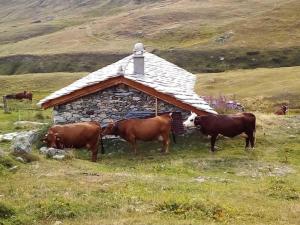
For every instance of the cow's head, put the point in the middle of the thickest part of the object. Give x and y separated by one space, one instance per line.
53 140
190 122
110 129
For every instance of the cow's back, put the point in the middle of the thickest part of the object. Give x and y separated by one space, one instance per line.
146 129
228 125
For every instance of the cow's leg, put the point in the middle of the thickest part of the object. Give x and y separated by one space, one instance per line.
247 143
212 142
94 150
133 144
166 143
252 140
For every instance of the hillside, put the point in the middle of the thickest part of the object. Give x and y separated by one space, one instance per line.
42 27
86 26
258 89
188 186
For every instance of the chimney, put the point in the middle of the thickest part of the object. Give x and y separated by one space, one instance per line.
138 59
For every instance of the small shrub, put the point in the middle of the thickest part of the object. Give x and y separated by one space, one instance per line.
6 211
40 135
7 162
58 209
195 209
282 190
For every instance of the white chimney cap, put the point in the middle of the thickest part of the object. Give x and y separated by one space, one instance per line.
138 49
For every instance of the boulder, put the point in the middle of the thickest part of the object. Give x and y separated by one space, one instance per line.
22 143
51 151
8 136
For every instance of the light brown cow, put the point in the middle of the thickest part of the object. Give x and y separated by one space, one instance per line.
156 128
75 135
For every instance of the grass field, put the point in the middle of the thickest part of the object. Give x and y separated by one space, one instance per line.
188 186
259 89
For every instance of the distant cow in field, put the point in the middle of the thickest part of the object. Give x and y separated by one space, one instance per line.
20 96
75 135
282 111
132 130
226 125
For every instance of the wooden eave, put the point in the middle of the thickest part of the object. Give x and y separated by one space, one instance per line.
116 81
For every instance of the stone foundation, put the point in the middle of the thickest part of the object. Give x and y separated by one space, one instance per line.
110 104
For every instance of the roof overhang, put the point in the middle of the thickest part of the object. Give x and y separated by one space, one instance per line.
116 81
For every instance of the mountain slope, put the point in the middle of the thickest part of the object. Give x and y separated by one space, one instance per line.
51 27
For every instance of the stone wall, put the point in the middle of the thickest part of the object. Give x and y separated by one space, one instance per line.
112 103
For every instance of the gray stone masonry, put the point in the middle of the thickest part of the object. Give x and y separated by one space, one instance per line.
110 104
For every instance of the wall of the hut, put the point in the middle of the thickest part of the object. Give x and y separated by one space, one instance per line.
112 103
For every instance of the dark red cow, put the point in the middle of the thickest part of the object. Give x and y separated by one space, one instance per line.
282 111
226 125
75 135
156 128
20 96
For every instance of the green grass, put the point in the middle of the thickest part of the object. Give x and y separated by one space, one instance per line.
258 89
239 188
188 186
40 85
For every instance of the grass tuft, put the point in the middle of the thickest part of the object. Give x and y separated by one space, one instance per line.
6 211
281 189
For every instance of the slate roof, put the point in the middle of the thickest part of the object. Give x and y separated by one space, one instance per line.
159 74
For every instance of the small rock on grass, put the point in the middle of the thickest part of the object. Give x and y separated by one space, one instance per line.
20 159
58 157
51 151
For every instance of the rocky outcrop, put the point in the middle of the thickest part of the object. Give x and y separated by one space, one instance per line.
23 141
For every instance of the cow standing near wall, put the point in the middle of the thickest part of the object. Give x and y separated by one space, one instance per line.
75 135
132 130
226 125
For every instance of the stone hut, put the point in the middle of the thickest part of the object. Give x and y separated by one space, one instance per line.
139 82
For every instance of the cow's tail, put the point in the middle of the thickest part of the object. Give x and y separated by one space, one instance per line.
102 146
173 136
253 124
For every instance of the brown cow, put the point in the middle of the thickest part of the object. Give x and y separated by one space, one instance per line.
20 96
282 111
75 135
156 128
226 125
